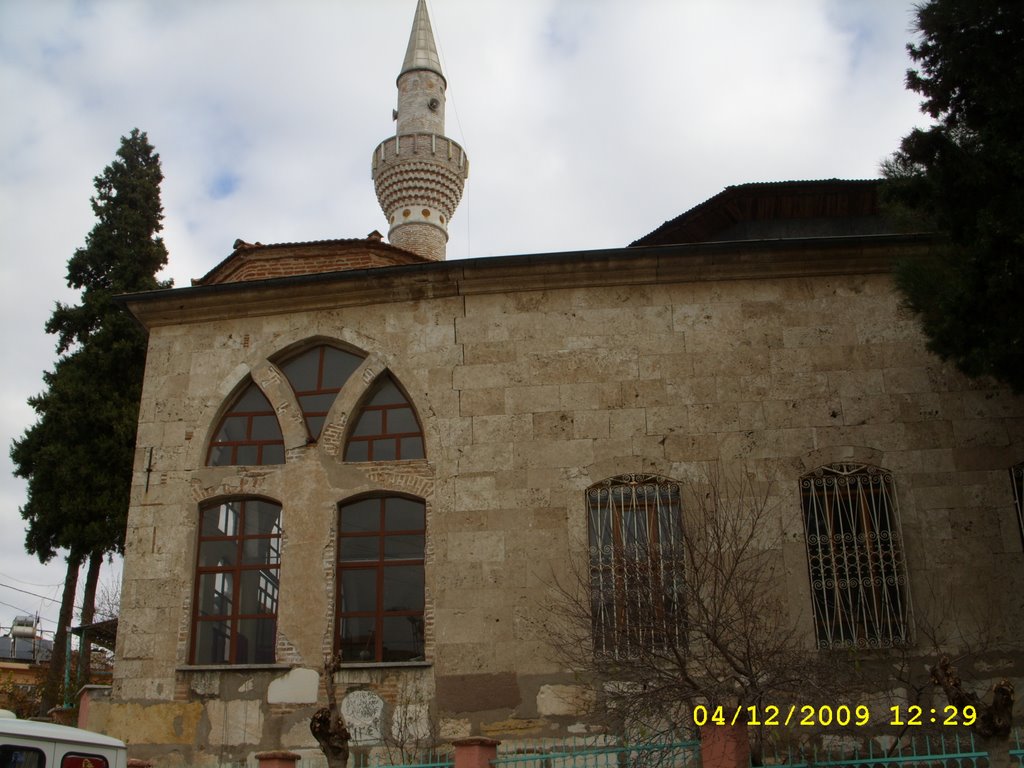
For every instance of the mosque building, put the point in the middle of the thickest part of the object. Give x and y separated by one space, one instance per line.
356 447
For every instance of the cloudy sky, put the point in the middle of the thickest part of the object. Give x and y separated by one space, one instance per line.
587 122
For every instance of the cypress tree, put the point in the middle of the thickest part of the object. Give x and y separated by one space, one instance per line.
964 178
78 456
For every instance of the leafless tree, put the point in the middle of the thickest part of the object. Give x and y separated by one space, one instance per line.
680 607
327 725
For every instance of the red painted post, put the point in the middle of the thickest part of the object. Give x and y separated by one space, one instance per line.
475 752
277 759
724 746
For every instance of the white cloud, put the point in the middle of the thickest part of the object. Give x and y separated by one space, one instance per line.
587 123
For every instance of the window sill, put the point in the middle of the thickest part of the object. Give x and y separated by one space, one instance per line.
349 665
233 667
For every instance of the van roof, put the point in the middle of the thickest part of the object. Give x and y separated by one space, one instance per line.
54 732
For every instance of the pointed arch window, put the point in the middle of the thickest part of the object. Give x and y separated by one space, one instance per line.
248 433
387 428
855 557
316 376
234 617
380 584
635 533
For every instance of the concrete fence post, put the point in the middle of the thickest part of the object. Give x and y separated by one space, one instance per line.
277 759
724 746
475 752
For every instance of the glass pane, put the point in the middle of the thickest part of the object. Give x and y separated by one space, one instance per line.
220 457
217 553
247 454
317 403
388 394
338 366
259 592
403 588
233 429
261 551
404 514
221 520
215 594
255 643
384 450
357 638
403 638
302 370
369 424
213 642
272 454
412 447
252 401
262 518
360 548
265 428
73 761
401 420
357 450
361 516
403 547
315 425
358 590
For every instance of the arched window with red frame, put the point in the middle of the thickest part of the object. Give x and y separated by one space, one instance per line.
316 376
387 428
380 586
249 433
234 611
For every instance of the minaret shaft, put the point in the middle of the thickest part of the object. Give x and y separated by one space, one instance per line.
419 173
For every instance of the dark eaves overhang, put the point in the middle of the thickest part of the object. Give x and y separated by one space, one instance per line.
741 260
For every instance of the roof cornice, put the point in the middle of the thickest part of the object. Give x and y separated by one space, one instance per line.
749 260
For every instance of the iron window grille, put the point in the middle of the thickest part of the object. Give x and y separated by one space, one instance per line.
316 376
855 557
234 617
636 565
1017 477
248 434
380 587
387 428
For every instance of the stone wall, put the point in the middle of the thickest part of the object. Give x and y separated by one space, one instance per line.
527 397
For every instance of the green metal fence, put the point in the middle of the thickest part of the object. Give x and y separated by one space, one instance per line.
598 752
947 750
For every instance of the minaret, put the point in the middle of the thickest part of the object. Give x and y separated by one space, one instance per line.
419 172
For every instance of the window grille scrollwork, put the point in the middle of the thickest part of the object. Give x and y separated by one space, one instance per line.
855 557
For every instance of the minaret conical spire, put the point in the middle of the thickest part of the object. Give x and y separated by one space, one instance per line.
419 172
421 53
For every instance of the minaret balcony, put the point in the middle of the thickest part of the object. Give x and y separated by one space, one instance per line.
429 147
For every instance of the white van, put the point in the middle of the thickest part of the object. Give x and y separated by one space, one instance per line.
29 744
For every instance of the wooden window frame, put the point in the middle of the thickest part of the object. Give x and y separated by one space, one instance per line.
233 445
394 438
373 649
322 369
233 572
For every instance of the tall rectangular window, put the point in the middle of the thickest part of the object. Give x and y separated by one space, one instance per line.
380 579
855 557
234 618
634 525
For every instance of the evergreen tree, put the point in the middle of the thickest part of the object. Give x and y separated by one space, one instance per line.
78 455
964 178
